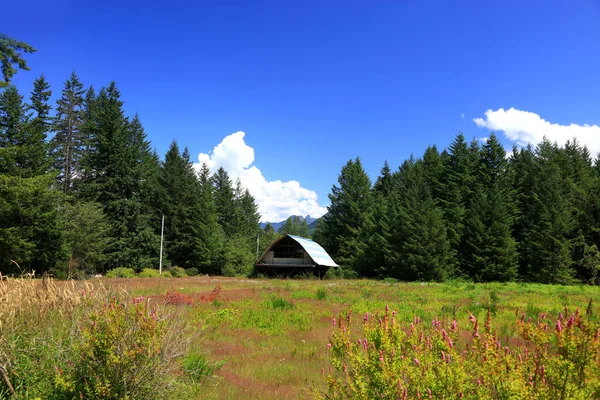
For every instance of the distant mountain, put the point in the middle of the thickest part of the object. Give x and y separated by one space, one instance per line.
276 225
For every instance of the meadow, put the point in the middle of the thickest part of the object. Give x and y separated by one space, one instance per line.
231 338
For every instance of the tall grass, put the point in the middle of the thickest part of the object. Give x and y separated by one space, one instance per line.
78 340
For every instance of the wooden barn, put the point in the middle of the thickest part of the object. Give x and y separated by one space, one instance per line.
292 255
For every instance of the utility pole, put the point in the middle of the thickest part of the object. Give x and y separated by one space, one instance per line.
257 242
162 229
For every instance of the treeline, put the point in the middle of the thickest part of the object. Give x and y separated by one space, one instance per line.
81 190
470 212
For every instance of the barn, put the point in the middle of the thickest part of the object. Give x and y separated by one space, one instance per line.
291 255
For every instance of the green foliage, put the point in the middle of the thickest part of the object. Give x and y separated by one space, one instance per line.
239 259
177 272
30 227
427 360
120 355
322 294
197 366
85 235
341 231
166 274
280 303
295 225
10 55
149 273
121 272
68 144
192 271
116 174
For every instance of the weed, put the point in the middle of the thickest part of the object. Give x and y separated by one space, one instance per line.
280 303
321 294
197 367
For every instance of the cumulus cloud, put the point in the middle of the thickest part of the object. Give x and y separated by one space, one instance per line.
276 200
523 128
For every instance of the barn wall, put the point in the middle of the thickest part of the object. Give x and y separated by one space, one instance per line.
269 257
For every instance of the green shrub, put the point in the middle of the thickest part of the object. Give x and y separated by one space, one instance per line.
196 366
280 303
167 274
321 293
121 272
121 354
192 271
553 358
149 273
177 272
390 280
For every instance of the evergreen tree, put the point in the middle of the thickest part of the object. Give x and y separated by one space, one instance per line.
267 236
209 237
10 56
342 232
115 176
489 250
180 193
458 178
546 248
224 201
22 149
69 143
30 230
86 232
419 231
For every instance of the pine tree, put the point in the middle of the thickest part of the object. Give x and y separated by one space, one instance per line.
10 49
116 173
30 230
224 201
379 252
68 144
22 139
209 237
267 236
419 231
342 232
180 193
458 178
545 249
489 250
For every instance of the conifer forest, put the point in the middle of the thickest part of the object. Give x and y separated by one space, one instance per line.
82 191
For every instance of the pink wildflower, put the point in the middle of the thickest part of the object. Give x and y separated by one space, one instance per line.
416 361
558 326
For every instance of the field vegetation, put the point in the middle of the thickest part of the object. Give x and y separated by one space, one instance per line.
229 338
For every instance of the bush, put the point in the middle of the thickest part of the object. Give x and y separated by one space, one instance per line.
149 273
167 274
442 361
281 303
177 272
192 271
321 293
196 367
121 273
122 353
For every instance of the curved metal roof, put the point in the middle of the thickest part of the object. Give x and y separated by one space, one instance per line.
314 250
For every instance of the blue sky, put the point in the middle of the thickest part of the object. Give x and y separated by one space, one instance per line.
313 84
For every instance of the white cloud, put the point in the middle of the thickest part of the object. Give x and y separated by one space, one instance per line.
276 200
462 115
523 128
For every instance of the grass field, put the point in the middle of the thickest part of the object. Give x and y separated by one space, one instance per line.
267 339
